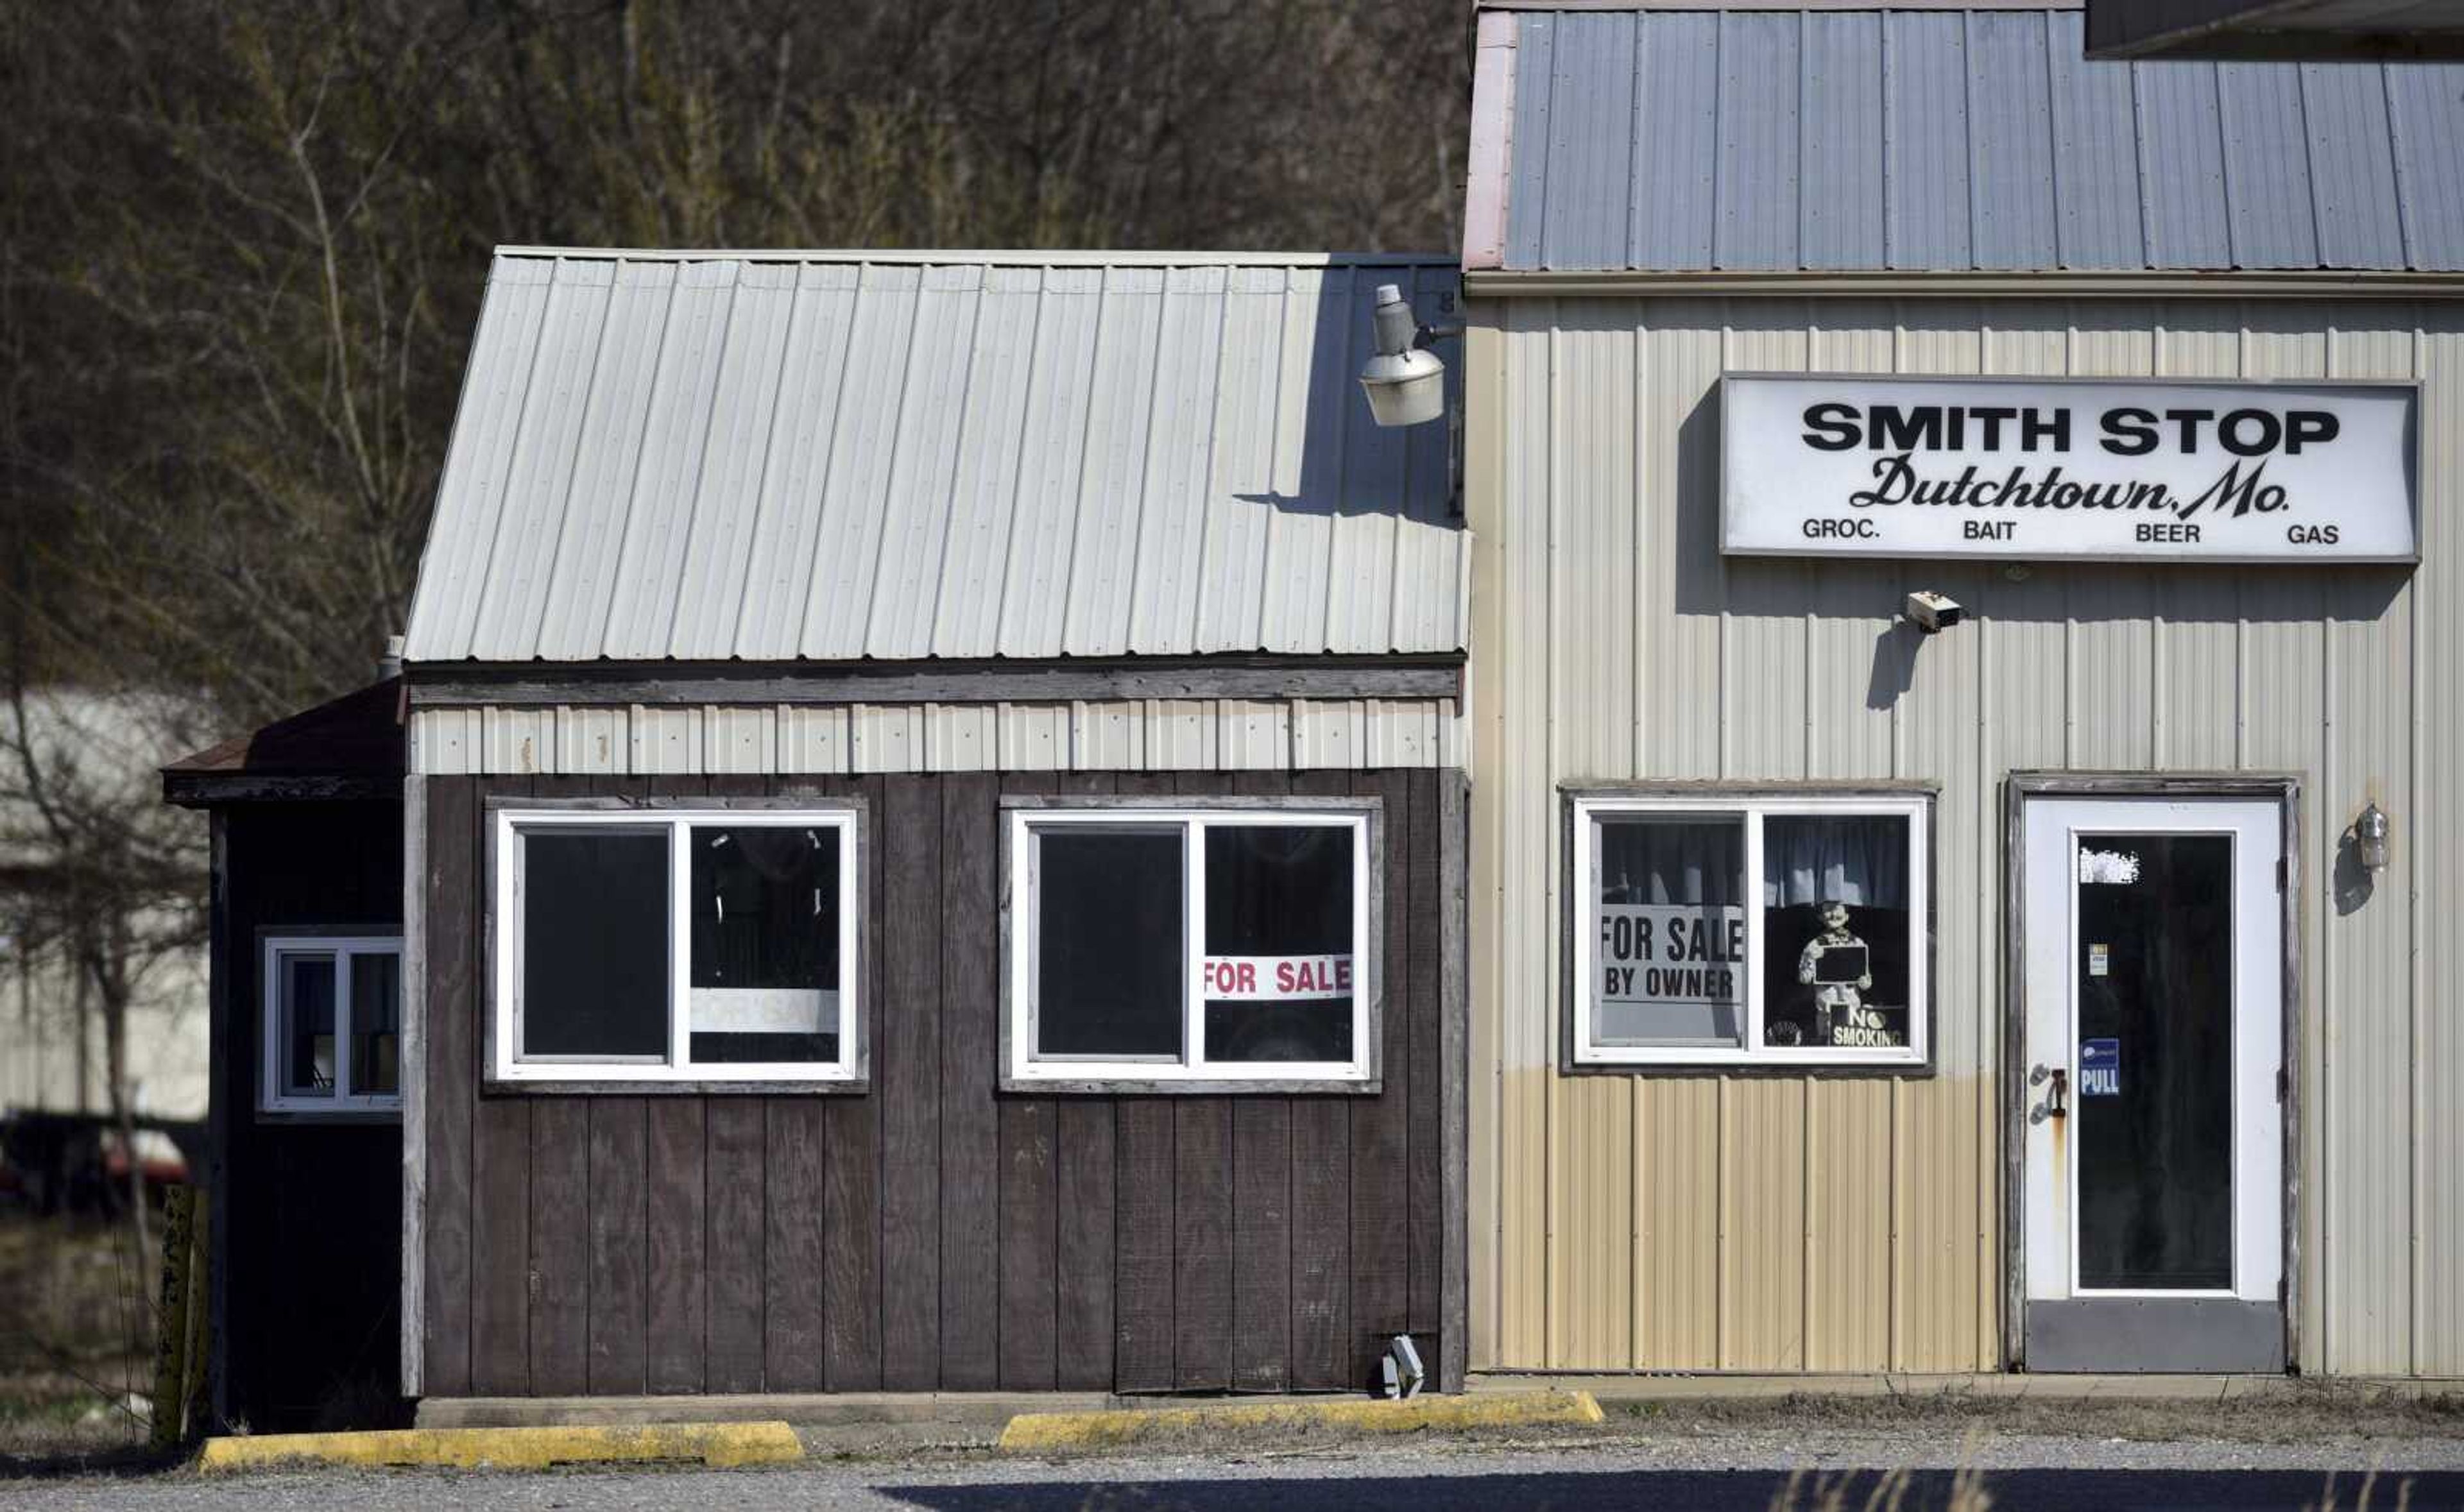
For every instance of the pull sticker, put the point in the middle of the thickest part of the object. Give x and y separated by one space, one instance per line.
2100 960
2099 1068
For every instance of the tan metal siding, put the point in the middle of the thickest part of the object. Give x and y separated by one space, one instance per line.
1145 734
1828 1224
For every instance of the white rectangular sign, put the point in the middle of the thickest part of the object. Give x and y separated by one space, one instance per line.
2126 470
1276 978
1671 955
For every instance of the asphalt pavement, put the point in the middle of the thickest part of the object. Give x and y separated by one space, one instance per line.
2065 1477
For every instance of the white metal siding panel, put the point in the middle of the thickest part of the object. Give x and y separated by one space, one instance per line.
856 498
1360 552
915 520
813 379
1170 563
1535 93
1757 158
1675 195
985 501
1118 433
2095 155
1926 215
2010 115
1315 420
1672 1224
1841 124
707 599
2181 167
1036 593
2269 203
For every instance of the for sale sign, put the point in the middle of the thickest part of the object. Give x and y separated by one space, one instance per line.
1671 955
1277 978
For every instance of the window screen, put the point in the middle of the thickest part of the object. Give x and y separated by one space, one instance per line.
1669 966
765 943
594 942
1109 943
1279 972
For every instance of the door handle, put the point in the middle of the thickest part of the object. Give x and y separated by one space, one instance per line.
2056 1083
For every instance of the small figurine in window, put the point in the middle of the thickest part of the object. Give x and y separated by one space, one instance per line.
1836 965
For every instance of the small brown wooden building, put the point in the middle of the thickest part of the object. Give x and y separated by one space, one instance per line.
927 849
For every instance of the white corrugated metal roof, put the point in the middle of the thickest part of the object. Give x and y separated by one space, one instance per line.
778 456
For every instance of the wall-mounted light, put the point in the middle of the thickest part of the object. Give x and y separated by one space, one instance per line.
1932 612
1406 382
2371 838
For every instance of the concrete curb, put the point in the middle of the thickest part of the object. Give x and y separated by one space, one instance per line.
717 1445
1074 1432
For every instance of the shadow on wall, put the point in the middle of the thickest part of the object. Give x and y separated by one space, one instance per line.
1867 593
1348 464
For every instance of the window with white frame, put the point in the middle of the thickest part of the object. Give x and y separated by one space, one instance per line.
1180 946
1751 929
675 945
332 1020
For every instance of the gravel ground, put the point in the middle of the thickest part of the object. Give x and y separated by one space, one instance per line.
1746 1470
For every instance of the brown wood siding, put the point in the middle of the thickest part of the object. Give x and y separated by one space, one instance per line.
933 1234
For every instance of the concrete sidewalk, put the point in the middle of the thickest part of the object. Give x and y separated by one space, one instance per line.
1995 1384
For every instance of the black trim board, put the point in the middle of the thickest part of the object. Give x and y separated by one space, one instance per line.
526 684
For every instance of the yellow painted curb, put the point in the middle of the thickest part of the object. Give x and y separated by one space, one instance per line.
1065 1432
715 1444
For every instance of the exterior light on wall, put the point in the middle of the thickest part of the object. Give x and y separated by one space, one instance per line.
1932 612
2371 838
1406 382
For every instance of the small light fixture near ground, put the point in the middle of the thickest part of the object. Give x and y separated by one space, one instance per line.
1406 382
2371 838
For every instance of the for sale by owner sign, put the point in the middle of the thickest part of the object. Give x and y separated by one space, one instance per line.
2125 469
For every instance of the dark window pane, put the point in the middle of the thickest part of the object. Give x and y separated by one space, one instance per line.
765 943
1108 947
1281 970
307 1004
1669 965
594 942
376 1025
2155 1118
1835 930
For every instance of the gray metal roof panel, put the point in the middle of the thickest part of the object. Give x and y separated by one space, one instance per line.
1750 138
1756 153
1675 119
1841 118
2426 119
780 456
1924 145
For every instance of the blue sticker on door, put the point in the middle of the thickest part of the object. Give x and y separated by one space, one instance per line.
2099 1068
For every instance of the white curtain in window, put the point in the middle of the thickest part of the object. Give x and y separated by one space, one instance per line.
1860 860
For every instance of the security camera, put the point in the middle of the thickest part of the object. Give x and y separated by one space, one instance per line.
1933 612
1406 382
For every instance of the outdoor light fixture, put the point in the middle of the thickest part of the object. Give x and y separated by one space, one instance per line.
1932 612
2371 838
1406 382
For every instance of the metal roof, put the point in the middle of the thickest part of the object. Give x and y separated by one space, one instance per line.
1941 140
833 456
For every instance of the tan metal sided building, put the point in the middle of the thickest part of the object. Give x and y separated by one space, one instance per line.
2051 1147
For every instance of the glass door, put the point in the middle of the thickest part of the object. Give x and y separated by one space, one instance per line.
2152 1132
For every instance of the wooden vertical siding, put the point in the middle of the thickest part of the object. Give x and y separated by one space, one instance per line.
1856 1223
307 1218
932 1234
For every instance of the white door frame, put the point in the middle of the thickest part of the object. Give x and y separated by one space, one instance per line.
2282 790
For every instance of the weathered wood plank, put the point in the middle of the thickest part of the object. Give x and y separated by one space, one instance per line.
851 1176
501 1252
672 682
907 1062
674 1245
1083 1326
1321 1176
619 1239
561 1247
1142 1236
1381 1265
1416 1000
792 1346
1454 1351
1029 1249
1202 1265
1262 1244
733 1160
451 1072
971 1006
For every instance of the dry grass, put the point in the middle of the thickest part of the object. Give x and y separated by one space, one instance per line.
76 1338
1839 1491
